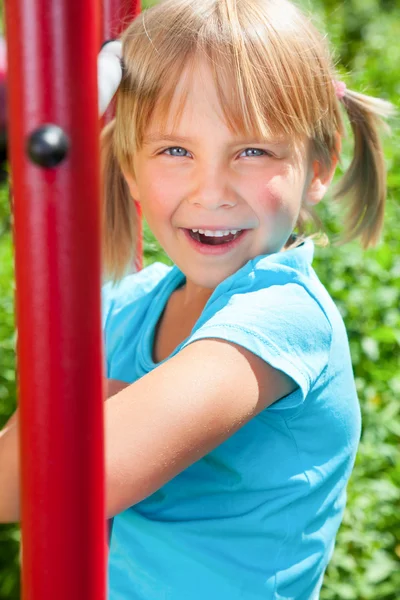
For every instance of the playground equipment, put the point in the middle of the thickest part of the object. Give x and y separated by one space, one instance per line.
52 48
3 111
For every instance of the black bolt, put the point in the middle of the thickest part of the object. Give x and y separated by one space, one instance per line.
47 146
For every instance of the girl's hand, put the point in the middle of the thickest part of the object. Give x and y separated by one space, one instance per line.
113 386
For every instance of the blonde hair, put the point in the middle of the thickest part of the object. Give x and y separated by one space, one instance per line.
281 82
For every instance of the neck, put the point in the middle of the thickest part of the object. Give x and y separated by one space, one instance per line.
192 296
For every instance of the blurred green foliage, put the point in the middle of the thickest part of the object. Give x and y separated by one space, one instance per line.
365 37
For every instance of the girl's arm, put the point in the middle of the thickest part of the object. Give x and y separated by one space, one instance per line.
11 421
177 413
9 470
9 459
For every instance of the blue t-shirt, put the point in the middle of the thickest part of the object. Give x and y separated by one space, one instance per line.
256 518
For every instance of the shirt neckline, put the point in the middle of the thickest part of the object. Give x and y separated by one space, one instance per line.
176 278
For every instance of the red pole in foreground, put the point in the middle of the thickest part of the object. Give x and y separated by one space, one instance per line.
117 14
52 59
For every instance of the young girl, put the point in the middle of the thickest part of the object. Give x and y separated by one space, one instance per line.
229 450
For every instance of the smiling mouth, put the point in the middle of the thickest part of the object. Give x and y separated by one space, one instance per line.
214 240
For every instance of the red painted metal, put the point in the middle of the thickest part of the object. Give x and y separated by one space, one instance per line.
117 14
52 59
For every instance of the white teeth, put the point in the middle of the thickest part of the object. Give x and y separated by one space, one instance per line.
210 233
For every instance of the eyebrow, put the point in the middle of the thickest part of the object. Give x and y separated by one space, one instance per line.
159 137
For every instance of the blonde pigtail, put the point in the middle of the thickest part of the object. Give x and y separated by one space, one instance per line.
118 214
365 180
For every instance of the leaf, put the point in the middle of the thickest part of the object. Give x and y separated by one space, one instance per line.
386 335
370 347
381 567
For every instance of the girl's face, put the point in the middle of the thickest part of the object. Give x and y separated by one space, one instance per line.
202 176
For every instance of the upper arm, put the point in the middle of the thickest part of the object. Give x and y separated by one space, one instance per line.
180 411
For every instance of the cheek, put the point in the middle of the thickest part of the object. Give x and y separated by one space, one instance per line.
281 194
159 204
158 192
271 196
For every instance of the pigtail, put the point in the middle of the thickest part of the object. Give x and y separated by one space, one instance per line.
118 213
365 179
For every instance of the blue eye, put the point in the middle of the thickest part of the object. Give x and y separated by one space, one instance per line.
253 150
180 151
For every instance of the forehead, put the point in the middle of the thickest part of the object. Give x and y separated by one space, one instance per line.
195 99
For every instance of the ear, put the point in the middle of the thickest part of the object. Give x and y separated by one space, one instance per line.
132 185
321 177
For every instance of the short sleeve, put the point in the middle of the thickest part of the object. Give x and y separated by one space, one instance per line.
120 304
282 324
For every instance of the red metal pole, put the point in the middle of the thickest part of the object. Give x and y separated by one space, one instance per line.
117 14
52 59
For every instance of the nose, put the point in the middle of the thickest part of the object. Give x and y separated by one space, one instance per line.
212 189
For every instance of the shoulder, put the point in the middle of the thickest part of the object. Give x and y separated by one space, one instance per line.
131 288
282 287
275 309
